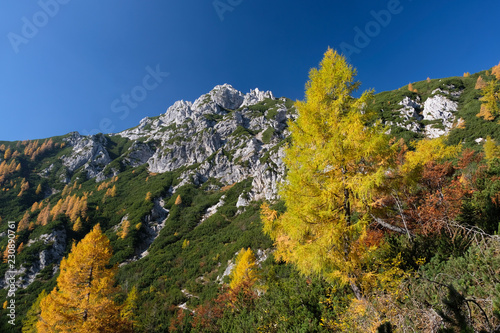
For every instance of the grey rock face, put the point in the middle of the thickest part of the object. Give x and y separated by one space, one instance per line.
153 224
409 115
56 245
88 151
439 107
139 153
256 96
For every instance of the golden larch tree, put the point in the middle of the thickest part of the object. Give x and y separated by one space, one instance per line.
7 154
24 223
78 224
38 189
130 307
496 71
44 216
83 301
245 269
480 83
178 200
491 150
491 98
335 163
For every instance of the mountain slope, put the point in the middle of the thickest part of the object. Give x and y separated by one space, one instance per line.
222 155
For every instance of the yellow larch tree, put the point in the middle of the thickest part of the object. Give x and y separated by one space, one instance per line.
123 232
24 223
78 224
480 83
491 150
57 209
491 98
34 207
38 189
83 301
245 269
496 71
24 187
20 248
44 216
7 154
178 200
336 162
130 307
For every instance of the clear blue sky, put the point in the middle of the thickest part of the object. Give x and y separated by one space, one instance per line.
72 71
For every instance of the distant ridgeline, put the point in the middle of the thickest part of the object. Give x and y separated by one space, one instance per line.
179 197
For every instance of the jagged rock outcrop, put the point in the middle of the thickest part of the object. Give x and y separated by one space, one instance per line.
153 224
222 133
441 108
410 114
89 152
255 96
434 117
54 245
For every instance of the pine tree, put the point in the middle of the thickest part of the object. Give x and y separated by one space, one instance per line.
83 301
335 164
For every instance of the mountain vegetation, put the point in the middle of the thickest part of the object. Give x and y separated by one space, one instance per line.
250 213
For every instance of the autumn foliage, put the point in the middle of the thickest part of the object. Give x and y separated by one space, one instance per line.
83 299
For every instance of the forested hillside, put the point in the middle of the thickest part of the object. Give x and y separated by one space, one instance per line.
251 213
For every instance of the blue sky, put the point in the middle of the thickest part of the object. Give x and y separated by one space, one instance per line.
69 65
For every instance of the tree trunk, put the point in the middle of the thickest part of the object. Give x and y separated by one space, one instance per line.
355 290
